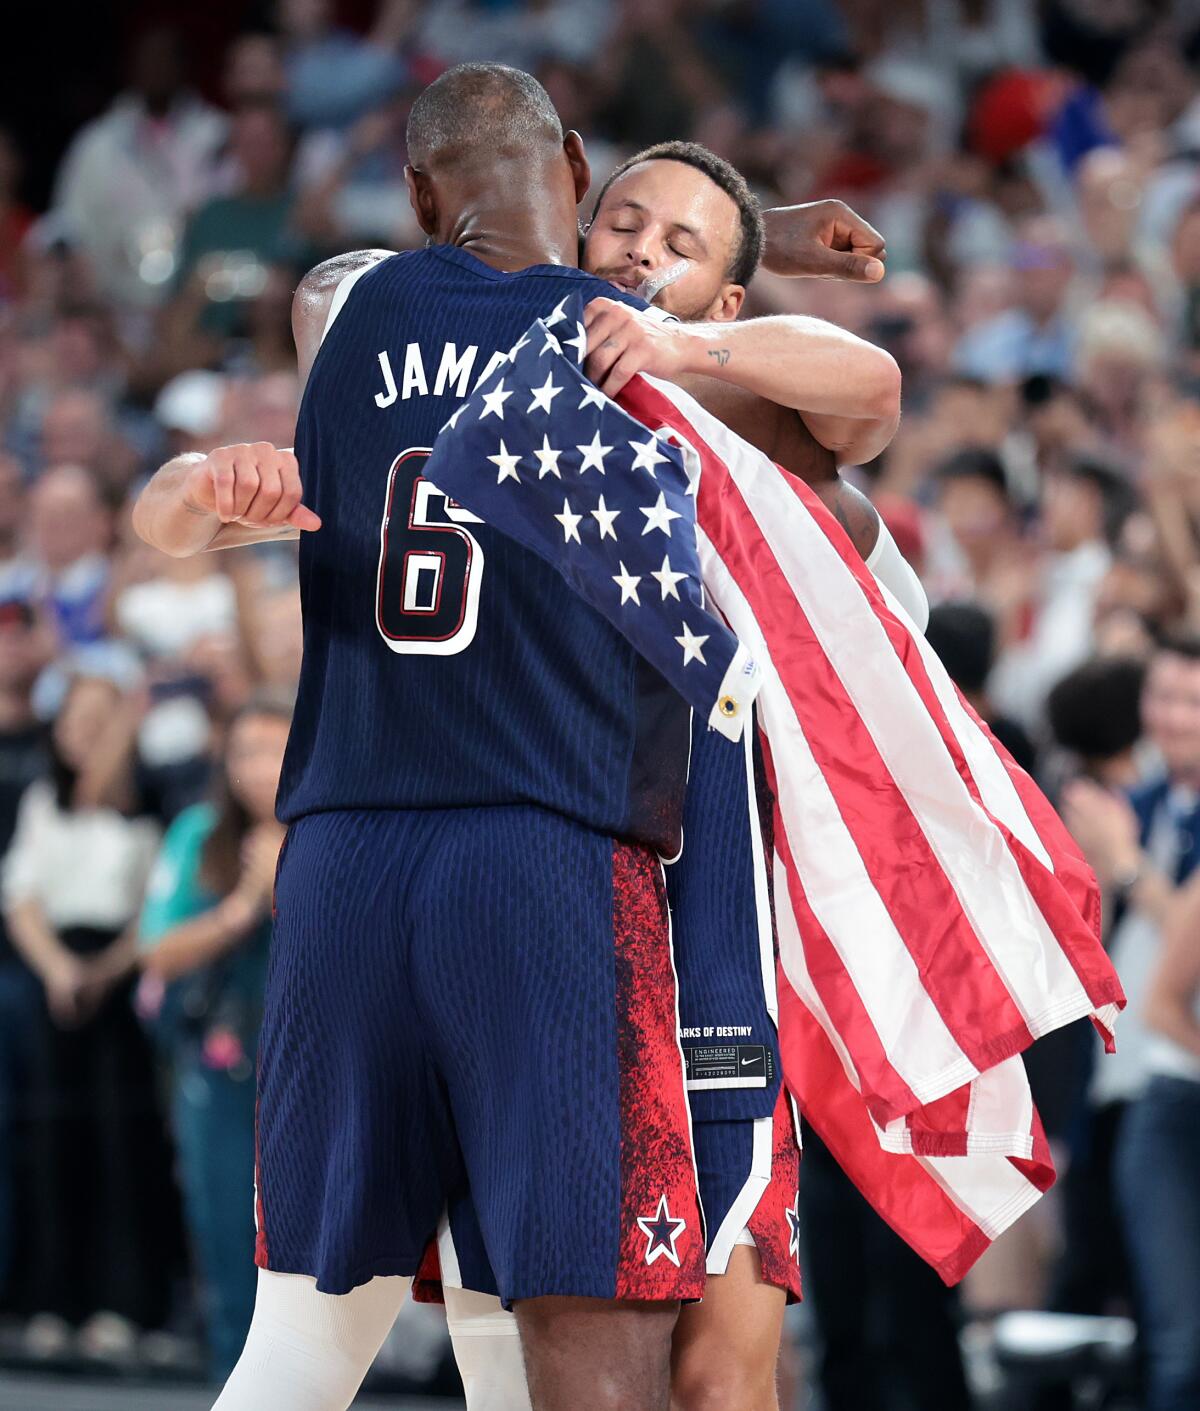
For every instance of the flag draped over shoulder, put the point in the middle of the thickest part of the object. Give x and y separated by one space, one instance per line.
934 917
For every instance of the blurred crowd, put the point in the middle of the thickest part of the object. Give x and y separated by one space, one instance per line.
1035 168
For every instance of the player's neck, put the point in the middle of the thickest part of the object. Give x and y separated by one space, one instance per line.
513 240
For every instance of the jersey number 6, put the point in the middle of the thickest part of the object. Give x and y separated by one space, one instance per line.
427 587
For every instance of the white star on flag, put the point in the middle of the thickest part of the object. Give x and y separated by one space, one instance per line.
648 455
628 584
551 345
544 395
570 523
604 518
458 411
547 458
593 456
516 347
558 315
592 397
667 579
494 400
579 341
506 464
659 515
691 645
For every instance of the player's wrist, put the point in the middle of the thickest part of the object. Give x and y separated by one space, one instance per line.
705 349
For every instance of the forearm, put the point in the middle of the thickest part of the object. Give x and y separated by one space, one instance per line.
165 519
33 936
168 520
802 363
202 940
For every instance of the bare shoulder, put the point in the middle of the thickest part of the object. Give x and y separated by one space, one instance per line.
315 291
314 297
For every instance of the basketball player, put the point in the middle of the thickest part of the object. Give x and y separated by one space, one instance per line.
470 880
679 210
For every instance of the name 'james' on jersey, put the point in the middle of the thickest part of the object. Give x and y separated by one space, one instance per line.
443 664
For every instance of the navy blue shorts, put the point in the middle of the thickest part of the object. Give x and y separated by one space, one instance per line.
474 1004
749 1182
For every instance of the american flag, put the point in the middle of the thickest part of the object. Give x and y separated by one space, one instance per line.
934 917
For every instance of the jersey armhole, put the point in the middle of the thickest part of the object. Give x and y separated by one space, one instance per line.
342 293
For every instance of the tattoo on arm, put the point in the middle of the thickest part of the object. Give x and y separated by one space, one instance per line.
721 355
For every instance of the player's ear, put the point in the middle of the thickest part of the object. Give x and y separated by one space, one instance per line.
728 304
422 199
581 168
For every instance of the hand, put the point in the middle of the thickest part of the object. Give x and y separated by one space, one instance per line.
70 993
823 240
1104 826
254 485
623 341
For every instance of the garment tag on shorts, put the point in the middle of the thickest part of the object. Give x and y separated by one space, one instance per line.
712 1066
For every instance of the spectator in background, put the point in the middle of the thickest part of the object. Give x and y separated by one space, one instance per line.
1143 845
1094 714
1047 619
23 652
205 933
334 76
1119 357
974 530
1034 336
70 532
73 882
131 176
1158 1168
231 241
964 637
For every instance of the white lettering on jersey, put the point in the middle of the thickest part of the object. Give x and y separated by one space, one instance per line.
388 395
414 372
493 363
454 370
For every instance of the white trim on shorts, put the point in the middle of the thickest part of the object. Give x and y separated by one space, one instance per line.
736 1222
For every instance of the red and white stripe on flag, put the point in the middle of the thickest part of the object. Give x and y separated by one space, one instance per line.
934 915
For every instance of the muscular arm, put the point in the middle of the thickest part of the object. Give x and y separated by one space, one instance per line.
846 390
245 494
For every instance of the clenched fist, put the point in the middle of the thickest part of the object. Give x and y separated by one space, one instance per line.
255 484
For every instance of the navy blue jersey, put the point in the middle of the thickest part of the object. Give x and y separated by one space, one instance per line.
444 665
724 940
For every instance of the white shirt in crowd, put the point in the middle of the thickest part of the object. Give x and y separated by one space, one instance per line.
87 867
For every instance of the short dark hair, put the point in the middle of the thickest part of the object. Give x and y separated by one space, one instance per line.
964 637
1095 710
748 251
974 463
481 109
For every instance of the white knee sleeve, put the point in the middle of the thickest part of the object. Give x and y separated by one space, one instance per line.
487 1350
309 1351
896 574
